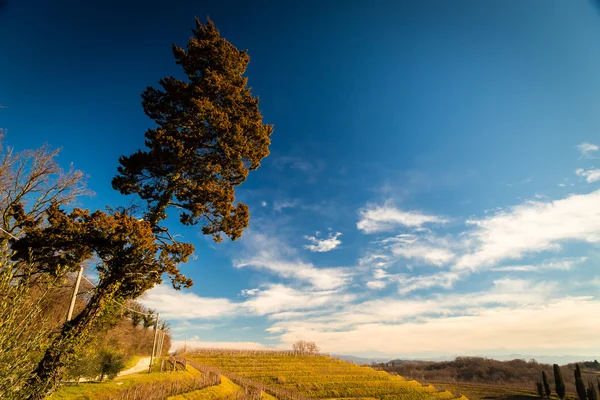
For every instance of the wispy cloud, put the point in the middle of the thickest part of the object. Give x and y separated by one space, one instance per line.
179 304
376 285
586 149
444 280
280 205
425 248
565 264
277 298
269 254
530 228
512 315
297 163
249 292
323 245
375 218
590 175
506 329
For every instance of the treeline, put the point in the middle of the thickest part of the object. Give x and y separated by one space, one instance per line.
123 331
517 372
129 334
584 392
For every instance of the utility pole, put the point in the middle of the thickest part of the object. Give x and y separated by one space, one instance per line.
74 297
162 340
154 344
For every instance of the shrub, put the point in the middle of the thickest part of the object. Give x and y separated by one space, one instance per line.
110 362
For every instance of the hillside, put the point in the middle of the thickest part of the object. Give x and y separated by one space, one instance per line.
478 370
315 376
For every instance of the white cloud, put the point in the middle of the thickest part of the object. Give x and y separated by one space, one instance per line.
521 329
375 219
249 292
264 203
271 255
282 205
444 280
430 254
512 316
530 228
376 285
565 264
181 304
591 175
323 245
421 247
278 298
586 148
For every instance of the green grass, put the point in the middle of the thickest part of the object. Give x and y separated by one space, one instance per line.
93 390
318 377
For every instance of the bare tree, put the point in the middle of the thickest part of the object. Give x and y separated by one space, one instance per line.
30 181
305 347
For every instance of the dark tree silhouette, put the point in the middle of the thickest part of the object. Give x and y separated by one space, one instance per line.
540 389
546 384
591 391
559 382
579 384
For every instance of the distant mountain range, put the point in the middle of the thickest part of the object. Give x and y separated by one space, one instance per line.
561 360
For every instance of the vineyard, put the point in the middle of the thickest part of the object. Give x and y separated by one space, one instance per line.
312 376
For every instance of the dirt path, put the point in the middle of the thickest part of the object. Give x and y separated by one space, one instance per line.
141 366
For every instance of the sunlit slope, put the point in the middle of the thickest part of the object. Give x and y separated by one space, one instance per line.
316 376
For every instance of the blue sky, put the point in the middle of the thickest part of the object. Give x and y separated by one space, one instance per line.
433 183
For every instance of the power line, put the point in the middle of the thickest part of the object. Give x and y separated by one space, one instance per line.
122 305
90 282
9 234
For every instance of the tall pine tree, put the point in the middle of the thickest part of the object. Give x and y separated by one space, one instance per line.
579 384
546 384
559 383
540 389
591 391
208 136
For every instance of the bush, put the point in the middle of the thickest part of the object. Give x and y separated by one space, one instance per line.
110 362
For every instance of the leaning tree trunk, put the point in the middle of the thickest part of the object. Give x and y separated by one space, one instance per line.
47 375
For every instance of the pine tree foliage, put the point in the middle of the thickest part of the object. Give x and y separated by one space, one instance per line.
579 384
546 384
209 135
591 391
540 389
559 382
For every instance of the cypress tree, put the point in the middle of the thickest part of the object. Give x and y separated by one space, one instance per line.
591 391
546 384
540 389
579 384
558 382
